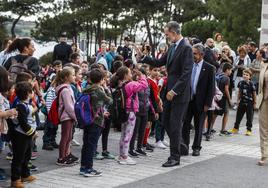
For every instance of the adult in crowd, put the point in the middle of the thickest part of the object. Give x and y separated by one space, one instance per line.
62 51
113 50
209 56
3 54
103 55
252 50
75 58
218 41
25 47
262 105
179 63
202 92
255 67
162 49
125 51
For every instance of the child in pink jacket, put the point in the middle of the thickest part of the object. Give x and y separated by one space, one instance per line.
66 115
124 75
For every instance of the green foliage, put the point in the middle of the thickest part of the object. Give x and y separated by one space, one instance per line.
203 29
46 59
239 19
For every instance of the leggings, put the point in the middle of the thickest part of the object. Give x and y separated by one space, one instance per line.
127 129
66 138
105 133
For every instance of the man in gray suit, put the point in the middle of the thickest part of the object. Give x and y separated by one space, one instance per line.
179 62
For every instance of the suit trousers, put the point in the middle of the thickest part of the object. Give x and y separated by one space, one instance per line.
174 113
199 118
263 121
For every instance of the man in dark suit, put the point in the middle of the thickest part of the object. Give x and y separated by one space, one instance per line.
62 51
202 92
178 61
125 51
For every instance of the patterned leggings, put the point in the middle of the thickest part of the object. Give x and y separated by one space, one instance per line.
126 134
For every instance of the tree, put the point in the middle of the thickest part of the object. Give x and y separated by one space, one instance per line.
3 31
203 29
22 8
239 19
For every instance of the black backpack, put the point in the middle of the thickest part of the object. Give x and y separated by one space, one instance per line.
119 113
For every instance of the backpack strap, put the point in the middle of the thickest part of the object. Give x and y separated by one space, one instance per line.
27 60
58 101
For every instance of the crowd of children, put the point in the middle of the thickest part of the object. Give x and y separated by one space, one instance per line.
129 98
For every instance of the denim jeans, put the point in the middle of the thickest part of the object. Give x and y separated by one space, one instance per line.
90 140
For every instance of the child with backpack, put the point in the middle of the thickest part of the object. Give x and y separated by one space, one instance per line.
22 134
66 115
223 83
246 101
97 99
141 120
50 131
129 89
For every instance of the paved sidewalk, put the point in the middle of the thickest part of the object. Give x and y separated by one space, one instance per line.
116 175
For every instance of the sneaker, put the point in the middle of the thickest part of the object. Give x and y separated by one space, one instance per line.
126 161
234 131
107 155
141 152
55 145
160 145
65 162
98 156
29 179
248 133
34 155
150 145
165 143
32 167
75 143
90 172
73 158
9 156
133 153
47 147
17 184
235 107
208 137
225 133
213 131
149 148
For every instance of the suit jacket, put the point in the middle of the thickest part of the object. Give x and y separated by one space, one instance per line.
260 96
179 69
205 86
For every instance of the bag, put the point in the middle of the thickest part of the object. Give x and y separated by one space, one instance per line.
120 114
53 114
44 107
83 111
18 67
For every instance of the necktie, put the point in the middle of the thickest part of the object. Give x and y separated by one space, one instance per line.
172 51
193 78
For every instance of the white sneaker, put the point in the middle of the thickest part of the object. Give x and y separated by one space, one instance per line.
160 145
165 143
75 143
127 161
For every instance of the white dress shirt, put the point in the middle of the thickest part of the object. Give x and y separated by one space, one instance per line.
197 74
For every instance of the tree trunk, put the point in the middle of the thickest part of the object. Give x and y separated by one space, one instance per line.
87 36
99 32
147 25
91 38
14 25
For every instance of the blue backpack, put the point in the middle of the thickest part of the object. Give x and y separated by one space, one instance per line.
83 111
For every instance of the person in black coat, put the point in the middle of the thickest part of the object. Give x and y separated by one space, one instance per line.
202 92
62 51
209 54
179 62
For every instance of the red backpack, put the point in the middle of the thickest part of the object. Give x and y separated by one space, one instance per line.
53 114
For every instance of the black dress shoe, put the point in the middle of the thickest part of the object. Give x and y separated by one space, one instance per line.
171 163
196 153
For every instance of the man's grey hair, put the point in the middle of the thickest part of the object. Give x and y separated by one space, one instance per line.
174 27
200 47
